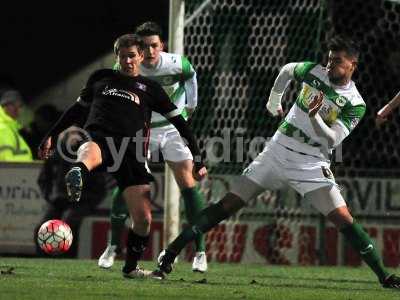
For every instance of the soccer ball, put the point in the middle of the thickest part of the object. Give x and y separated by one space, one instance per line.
54 237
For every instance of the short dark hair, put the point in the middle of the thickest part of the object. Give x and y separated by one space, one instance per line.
149 28
128 40
342 43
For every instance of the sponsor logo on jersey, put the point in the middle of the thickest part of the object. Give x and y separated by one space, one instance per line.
316 83
121 93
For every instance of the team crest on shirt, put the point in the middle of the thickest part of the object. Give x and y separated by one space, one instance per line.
341 101
141 86
122 94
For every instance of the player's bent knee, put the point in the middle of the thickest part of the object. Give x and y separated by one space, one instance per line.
183 173
185 181
341 217
90 154
146 222
142 222
245 189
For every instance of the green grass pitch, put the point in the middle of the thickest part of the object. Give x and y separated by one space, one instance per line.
33 278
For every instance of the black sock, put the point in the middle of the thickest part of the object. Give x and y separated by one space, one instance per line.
135 247
84 169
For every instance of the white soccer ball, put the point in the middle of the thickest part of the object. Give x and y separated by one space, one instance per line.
54 237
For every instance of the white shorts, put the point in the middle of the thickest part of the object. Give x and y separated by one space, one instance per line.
277 168
170 143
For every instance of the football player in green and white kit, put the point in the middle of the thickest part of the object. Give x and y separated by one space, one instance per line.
324 114
178 78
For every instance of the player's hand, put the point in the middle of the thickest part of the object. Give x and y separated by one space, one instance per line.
315 105
200 174
279 111
382 116
274 105
45 149
275 111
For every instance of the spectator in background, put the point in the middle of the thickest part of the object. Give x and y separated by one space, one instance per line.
43 119
13 147
52 186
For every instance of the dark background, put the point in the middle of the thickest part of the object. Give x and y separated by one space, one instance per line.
42 43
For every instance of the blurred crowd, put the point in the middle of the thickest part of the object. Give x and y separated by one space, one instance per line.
19 143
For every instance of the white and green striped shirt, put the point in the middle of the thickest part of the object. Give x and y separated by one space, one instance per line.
178 78
342 107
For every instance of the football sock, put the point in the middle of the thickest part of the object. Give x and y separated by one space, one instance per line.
207 219
135 247
194 203
362 243
118 216
84 170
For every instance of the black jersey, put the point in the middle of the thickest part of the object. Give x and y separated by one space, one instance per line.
122 105
118 106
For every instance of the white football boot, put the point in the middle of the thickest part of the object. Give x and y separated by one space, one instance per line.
106 260
200 262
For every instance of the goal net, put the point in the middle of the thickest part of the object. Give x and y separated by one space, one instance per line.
238 48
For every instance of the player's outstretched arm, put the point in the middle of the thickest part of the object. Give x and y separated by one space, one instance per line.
285 75
384 112
76 114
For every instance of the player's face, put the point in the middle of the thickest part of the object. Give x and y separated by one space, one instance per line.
152 50
129 59
340 67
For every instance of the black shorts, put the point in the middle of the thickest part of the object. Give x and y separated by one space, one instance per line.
127 170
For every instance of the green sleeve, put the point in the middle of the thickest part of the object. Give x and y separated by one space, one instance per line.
351 115
302 69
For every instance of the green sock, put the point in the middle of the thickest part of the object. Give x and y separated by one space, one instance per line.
194 203
207 219
119 213
363 244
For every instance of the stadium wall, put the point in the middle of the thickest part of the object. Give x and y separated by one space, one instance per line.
276 228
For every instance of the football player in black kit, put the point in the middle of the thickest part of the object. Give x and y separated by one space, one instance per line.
115 109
